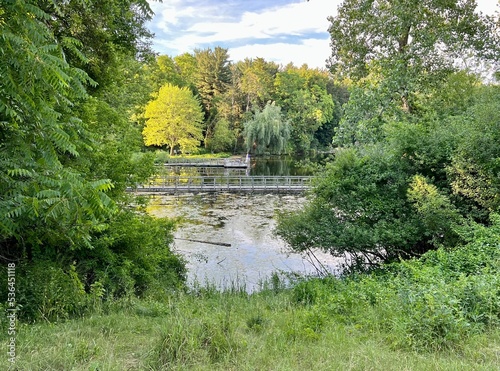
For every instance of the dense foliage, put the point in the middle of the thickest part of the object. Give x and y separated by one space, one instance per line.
416 147
436 302
412 191
68 149
173 118
42 200
233 95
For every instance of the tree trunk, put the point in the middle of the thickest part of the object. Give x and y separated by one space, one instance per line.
403 44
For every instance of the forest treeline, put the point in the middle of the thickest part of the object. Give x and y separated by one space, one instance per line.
251 105
411 194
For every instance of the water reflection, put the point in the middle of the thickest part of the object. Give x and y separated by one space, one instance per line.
245 222
259 166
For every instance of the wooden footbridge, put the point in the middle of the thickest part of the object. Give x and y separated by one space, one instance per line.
235 184
235 163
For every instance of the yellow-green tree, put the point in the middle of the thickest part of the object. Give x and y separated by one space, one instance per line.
174 118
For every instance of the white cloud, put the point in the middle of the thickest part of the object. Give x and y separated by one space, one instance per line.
184 25
208 25
313 52
171 12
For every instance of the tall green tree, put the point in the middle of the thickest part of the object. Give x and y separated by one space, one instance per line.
103 31
257 82
187 66
340 95
174 118
398 52
213 76
165 70
44 203
231 107
407 38
302 94
112 48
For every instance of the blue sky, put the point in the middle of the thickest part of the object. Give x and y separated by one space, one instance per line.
282 31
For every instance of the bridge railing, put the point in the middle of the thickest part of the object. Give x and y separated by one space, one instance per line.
175 182
181 160
210 162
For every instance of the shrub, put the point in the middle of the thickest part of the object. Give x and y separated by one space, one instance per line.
46 290
132 257
430 303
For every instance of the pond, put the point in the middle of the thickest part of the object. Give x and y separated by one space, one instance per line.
246 222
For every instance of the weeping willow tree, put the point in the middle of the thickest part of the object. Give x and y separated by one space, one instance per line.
268 131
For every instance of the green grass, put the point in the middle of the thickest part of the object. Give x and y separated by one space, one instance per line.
206 155
162 156
208 330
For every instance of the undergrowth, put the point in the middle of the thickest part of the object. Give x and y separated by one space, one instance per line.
439 312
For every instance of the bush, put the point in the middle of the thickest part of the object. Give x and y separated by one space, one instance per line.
45 290
161 157
359 208
133 257
431 303
130 258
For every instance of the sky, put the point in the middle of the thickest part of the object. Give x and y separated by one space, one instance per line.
282 31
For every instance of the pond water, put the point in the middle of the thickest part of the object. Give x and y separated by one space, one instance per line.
245 222
259 166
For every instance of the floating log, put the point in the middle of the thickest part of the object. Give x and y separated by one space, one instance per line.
207 242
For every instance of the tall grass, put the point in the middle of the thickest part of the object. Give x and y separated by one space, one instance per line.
210 330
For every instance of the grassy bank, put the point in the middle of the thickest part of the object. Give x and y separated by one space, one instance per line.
162 156
230 331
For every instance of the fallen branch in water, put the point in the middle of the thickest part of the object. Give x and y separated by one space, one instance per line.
207 242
